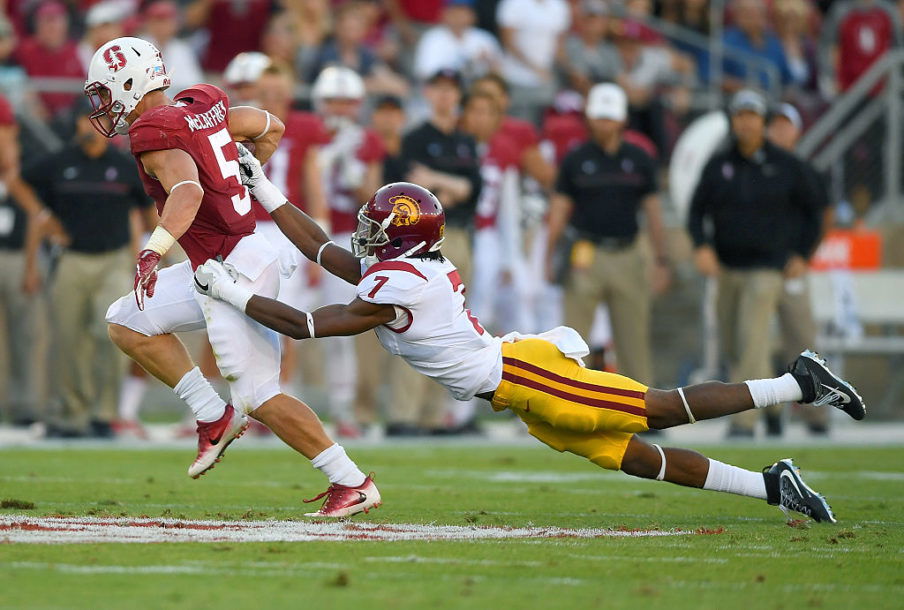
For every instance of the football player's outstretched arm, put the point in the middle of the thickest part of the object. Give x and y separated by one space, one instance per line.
247 123
328 321
315 244
216 280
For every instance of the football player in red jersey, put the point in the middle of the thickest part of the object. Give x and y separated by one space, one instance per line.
188 161
413 298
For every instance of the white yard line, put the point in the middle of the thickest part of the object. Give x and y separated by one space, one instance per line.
50 530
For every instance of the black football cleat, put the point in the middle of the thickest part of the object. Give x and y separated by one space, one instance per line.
822 387
787 490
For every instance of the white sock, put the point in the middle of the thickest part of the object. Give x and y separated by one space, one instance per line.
202 399
734 480
768 392
130 396
338 467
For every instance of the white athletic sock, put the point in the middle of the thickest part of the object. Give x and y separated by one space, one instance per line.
130 396
768 392
338 467
202 399
734 480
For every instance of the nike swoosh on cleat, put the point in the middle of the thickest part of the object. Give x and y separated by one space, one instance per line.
786 474
844 397
362 498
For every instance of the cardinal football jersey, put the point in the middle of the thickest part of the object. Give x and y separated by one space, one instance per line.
497 156
197 124
433 331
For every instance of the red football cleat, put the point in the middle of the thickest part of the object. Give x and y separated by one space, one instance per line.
214 437
342 501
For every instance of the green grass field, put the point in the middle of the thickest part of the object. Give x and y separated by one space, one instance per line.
756 561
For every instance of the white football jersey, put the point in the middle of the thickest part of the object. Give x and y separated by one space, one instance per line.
433 331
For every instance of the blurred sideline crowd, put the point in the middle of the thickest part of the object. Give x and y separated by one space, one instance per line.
544 127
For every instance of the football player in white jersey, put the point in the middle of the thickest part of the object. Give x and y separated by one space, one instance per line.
413 298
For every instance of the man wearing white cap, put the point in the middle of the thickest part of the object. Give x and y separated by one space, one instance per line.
602 186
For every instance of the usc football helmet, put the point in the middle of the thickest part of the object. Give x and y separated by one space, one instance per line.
401 219
122 72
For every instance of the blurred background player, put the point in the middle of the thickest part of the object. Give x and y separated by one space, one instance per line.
295 168
351 166
438 156
494 295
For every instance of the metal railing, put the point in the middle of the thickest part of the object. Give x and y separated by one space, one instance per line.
850 117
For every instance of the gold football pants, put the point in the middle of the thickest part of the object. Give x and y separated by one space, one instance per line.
570 408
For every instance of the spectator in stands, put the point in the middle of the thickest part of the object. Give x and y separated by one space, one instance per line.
412 17
50 53
532 34
456 44
280 39
346 48
751 35
856 33
589 56
97 194
313 22
103 23
795 309
755 218
161 23
602 188
793 22
13 80
388 121
19 281
440 157
232 27
646 72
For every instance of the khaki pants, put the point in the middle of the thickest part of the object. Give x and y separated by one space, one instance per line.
617 278
798 332
746 303
19 313
416 399
89 366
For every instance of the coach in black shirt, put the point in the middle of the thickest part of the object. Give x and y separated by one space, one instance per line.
95 192
438 156
602 187
755 218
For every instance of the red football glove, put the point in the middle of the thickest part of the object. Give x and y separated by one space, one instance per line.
145 276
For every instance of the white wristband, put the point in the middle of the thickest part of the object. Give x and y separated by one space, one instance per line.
235 295
310 324
269 196
322 248
160 241
266 129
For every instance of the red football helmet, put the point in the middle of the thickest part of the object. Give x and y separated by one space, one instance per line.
401 219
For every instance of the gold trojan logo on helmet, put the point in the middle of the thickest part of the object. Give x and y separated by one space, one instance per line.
406 211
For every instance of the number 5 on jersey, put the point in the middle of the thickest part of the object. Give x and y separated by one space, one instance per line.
218 140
